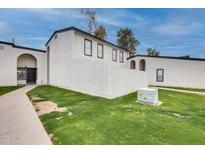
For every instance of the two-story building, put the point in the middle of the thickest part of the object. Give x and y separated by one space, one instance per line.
79 61
82 62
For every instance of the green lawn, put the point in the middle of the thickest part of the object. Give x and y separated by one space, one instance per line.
97 120
180 88
4 90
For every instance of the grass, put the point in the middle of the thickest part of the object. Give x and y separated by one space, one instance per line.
4 90
97 120
180 88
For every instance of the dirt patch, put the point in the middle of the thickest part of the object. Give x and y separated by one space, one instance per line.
48 107
36 99
145 103
69 114
159 103
178 115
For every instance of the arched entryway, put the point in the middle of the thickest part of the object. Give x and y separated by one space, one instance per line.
26 69
142 65
132 64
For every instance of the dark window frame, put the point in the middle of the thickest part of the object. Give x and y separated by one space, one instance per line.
132 64
121 60
142 65
56 36
115 60
98 44
85 47
157 73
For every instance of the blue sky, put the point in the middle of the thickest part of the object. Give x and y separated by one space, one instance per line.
174 32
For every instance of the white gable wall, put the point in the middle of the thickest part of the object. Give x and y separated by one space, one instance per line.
71 69
60 55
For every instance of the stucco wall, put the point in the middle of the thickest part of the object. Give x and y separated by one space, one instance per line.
8 63
60 56
99 79
71 69
177 73
26 61
123 81
78 51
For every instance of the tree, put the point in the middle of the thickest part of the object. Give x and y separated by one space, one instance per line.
91 20
101 32
152 52
127 40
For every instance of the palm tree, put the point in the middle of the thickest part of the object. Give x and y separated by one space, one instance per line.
127 40
152 52
101 33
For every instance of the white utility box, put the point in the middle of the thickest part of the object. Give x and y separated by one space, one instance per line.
148 95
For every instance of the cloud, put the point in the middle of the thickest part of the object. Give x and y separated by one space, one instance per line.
55 14
37 38
44 11
2 25
120 18
111 17
177 28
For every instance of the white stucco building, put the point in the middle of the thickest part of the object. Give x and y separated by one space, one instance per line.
172 71
79 61
17 61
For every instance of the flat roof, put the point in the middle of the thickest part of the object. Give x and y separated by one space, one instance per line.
169 57
21 47
85 33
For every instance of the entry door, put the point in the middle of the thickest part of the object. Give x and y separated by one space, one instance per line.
31 75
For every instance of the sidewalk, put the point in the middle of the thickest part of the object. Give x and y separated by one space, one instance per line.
19 123
184 91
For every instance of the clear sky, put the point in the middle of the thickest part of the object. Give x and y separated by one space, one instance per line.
174 32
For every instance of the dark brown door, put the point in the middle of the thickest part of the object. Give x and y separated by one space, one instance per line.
31 75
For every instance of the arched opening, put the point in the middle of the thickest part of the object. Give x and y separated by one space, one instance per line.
132 64
26 69
142 65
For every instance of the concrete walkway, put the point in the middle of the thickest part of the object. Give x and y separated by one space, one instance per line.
184 91
19 123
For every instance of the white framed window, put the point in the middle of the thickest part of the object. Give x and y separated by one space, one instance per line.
88 47
121 57
100 51
160 75
114 55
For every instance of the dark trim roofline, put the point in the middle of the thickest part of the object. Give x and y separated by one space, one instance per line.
169 57
21 47
85 33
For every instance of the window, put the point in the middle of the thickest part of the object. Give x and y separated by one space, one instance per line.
121 57
100 51
88 47
21 74
142 65
114 55
160 75
132 65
